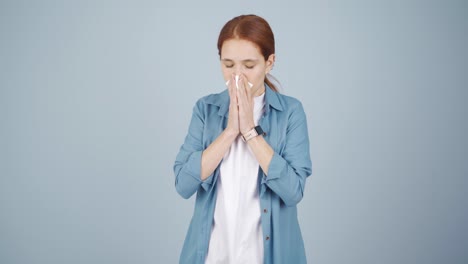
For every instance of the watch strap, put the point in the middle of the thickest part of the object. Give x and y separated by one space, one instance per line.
252 133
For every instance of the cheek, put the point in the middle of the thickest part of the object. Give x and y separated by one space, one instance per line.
226 73
257 76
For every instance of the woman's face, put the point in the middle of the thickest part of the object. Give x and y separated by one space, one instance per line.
240 56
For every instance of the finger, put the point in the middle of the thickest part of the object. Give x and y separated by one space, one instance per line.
229 81
233 96
246 85
230 94
238 95
232 81
242 90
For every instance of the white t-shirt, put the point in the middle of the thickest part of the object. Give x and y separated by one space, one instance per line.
236 233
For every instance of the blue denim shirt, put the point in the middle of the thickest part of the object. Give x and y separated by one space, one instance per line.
284 122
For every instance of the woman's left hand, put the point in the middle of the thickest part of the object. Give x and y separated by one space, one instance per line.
246 106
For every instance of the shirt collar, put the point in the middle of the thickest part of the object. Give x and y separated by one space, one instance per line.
222 101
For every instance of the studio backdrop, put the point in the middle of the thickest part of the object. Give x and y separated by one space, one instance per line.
96 98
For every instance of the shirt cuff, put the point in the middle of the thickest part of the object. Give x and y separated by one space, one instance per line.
277 164
194 169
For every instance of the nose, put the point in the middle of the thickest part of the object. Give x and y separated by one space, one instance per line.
238 70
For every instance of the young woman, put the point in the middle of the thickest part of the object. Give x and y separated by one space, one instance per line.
246 155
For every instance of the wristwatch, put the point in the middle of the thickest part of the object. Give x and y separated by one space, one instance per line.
252 133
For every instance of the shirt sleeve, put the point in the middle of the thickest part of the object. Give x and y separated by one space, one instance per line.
287 172
187 166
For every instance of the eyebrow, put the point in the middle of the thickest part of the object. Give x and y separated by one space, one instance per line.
247 60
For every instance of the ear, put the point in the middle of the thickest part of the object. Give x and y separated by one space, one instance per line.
269 63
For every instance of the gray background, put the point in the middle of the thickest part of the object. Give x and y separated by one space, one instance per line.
96 98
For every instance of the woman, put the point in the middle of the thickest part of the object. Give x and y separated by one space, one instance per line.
246 155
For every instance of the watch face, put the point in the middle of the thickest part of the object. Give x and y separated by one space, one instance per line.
259 130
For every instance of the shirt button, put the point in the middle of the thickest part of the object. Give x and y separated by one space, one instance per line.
265 210
267 238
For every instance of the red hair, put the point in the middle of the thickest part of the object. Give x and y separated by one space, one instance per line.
254 29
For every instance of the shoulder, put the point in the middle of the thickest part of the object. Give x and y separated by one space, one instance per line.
290 104
289 100
209 105
213 99
293 113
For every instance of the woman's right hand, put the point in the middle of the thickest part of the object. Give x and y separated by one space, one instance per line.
233 119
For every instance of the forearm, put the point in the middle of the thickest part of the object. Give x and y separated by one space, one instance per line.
262 151
213 154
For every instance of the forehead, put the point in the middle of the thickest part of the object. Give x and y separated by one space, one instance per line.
240 49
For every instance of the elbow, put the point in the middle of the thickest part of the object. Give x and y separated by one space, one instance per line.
293 199
182 185
297 192
294 195
187 177
184 192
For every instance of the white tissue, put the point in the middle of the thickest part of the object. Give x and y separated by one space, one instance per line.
237 82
